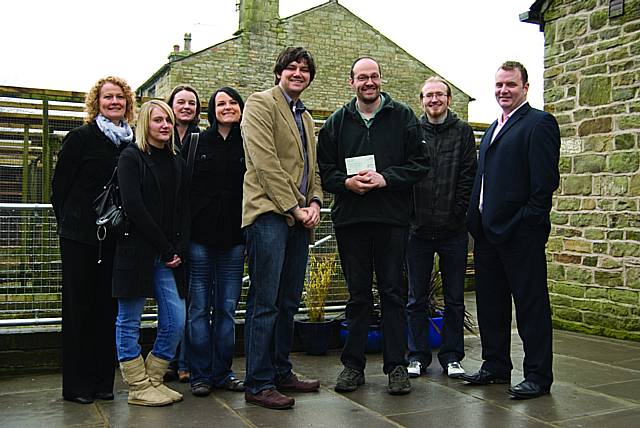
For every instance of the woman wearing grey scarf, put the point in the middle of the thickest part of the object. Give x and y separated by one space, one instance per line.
85 163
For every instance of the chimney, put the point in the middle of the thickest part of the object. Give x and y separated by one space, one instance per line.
176 48
187 42
257 15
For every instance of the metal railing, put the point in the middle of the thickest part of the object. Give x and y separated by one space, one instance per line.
31 269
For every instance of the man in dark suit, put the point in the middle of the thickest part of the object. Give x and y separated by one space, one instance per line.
509 219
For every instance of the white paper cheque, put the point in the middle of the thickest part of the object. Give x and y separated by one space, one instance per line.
360 163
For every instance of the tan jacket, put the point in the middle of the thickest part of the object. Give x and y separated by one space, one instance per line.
274 158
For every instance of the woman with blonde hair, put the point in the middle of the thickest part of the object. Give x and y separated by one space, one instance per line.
85 164
149 258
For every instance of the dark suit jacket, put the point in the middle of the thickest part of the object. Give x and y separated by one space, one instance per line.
142 199
521 173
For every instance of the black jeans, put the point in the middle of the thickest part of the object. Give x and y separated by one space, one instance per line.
453 263
365 248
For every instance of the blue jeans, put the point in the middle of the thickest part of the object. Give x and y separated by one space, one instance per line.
278 256
215 284
453 263
171 316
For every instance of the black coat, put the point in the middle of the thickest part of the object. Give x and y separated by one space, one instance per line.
520 170
142 199
441 198
85 164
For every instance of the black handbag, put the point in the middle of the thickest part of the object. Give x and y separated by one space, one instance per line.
108 206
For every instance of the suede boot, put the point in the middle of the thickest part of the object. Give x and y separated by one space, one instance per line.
156 368
141 391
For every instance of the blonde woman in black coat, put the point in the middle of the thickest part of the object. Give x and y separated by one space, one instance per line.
149 259
85 163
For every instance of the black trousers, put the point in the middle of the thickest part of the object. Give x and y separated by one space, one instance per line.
516 268
88 320
365 248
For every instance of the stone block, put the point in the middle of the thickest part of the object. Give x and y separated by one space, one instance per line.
623 162
632 274
588 219
625 249
568 204
598 19
605 262
619 310
598 125
567 259
555 271
610 33
577 246
568 232
614 185
558 218
594 234
624 141
609 110
632 235
595 90
564 165
623 94
596 293
579 275
576 185
588 204
599 58
571 27
578 64
580 114
622 66
560 300
625 79
587 305
589 163
591 261
595 69
624 296
618 220
615 234
626 204
554 243
598 143
572 290
631 121
568 313
600 247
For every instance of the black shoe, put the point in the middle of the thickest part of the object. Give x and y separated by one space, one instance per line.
349 379
484 377
80 400
103 395
399 383
200 389
527 389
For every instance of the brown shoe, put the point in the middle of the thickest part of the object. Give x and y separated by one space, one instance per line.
299 385
183 376
269 398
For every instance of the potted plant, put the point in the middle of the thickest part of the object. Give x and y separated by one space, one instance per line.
315 331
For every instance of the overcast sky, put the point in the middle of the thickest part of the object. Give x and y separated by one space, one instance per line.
69 44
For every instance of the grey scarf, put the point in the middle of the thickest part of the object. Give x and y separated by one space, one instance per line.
116 133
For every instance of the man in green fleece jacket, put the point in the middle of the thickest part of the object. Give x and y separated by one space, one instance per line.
370 154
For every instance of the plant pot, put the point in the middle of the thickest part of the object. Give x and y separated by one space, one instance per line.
374 337
315 335
435 332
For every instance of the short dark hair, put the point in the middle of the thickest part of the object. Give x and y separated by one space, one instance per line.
291 54
513 65
436 79
353 64
170 98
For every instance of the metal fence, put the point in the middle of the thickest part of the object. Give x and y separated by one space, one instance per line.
31 270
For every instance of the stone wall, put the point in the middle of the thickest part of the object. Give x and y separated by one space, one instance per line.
332 34
592 81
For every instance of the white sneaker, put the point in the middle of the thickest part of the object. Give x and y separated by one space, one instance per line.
414 369
454 370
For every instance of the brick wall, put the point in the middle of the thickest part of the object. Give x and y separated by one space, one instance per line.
592 80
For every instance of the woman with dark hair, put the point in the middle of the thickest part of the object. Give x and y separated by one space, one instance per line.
216 250
185 103
85 164
149 257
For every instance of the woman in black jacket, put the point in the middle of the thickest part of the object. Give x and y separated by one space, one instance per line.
85 163
149 257
216 251
185 103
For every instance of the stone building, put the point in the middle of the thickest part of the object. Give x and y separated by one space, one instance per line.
592 85
333 34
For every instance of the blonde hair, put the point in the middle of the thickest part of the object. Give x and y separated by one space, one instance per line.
91 102
142 126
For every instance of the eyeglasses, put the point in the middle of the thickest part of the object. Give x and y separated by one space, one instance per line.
362 78
429 95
